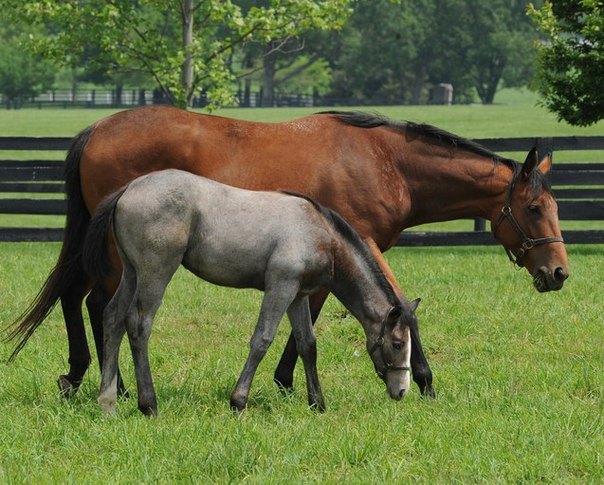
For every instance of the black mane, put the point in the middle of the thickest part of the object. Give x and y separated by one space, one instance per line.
350 235
369 120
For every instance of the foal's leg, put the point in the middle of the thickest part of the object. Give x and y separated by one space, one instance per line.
275 303
96 303
79 355
306 344
151 286
284 373
114 328
422 375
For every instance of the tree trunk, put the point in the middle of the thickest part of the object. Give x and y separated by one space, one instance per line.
268 85
187 42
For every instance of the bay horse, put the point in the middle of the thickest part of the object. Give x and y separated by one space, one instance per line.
382 176
284 244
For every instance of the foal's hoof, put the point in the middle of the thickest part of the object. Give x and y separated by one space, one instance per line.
67 388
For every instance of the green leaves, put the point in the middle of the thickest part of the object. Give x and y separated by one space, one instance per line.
571 60
147 36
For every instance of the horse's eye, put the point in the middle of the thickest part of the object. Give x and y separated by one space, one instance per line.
397 345
534 209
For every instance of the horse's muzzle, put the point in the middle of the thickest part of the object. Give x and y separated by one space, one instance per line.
546 280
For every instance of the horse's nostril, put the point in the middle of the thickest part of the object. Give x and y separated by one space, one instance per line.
401 394
560 275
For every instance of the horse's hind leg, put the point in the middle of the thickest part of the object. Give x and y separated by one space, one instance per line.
96 303
79 354
284 373
275 303
306 344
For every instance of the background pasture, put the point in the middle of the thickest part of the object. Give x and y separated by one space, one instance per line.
519 375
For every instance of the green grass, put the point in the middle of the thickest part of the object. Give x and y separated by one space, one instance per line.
519 376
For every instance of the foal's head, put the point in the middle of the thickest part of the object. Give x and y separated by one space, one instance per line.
390 348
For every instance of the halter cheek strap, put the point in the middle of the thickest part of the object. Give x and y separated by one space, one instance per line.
526 243
379 344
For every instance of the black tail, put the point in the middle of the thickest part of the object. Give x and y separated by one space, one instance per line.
95 254
68 269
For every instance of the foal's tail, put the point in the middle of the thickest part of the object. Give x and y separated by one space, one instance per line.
68 269
95 254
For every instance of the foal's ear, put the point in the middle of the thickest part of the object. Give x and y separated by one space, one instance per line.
395 313
415 304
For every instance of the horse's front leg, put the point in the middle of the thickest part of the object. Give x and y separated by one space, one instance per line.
284 373
306 343
276 301
422 374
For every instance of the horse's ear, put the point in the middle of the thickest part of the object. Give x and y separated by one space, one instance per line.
415 304
545 165
531 162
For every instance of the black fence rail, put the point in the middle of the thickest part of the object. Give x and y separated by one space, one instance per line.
579 189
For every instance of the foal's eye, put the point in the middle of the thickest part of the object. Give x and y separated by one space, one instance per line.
397 345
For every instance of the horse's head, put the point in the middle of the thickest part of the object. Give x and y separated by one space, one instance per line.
527 226
390 349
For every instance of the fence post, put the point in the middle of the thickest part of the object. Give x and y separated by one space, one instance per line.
480 224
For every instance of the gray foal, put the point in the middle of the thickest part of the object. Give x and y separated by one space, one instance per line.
284 244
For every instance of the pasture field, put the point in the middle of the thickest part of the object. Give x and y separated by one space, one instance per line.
519 377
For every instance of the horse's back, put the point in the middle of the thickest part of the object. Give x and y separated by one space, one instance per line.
339 165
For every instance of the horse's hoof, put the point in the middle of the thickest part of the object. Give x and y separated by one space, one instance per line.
149 411
428 393
238 405
123 393
318 406
285 385
67 388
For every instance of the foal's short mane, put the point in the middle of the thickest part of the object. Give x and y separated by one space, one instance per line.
352 237
369 120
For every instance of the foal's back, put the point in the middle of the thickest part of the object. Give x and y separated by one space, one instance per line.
225 235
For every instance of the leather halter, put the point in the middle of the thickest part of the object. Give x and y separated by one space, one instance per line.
526 243
379 344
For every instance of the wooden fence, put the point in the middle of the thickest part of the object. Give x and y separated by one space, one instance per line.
579 189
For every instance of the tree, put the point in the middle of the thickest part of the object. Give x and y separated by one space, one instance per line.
22 75
393 51
184 45
571 61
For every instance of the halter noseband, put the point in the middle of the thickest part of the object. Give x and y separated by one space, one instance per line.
526 243
379 344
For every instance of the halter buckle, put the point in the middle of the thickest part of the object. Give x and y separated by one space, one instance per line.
528 244
506 209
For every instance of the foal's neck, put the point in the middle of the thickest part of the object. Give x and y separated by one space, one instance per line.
447 184
360 289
